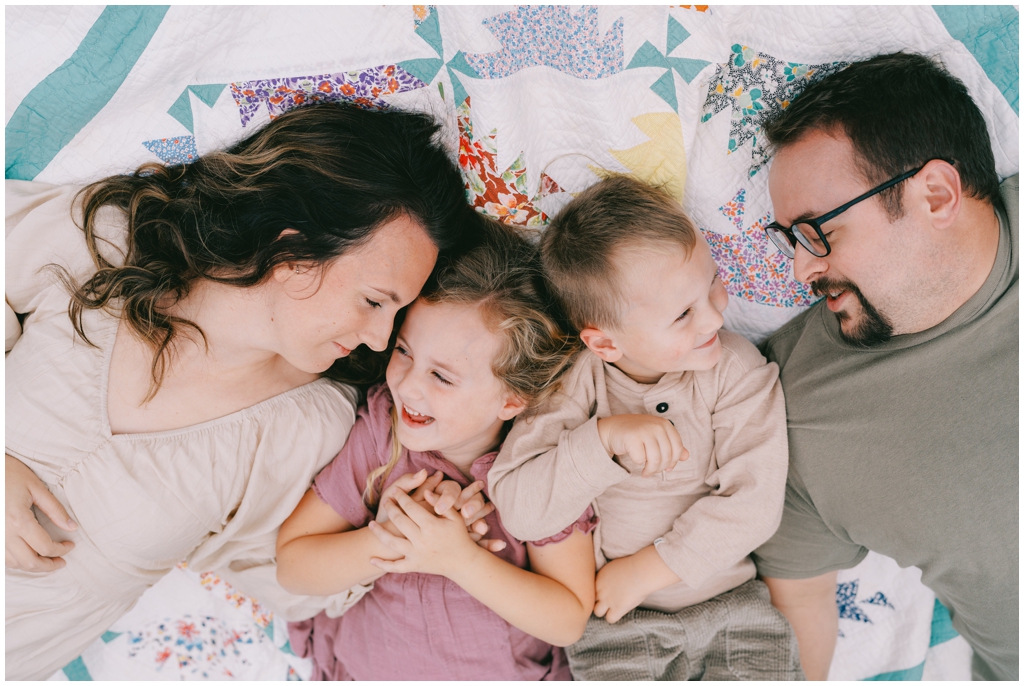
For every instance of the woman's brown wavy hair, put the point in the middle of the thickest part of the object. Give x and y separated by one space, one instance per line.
332 172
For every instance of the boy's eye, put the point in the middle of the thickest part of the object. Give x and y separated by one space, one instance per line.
443 380
372 303
684 315
400 350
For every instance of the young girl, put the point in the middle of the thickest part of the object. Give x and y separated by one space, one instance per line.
479 349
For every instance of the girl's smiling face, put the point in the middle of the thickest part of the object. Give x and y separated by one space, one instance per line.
446 395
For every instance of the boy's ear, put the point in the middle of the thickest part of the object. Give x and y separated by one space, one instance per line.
513 406
601 344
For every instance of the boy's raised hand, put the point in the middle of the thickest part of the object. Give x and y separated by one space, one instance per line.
650 442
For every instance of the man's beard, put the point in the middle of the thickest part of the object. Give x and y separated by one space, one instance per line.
874 327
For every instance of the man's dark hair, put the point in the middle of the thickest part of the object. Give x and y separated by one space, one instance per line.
899 111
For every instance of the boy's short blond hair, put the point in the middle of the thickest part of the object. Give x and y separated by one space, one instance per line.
581 246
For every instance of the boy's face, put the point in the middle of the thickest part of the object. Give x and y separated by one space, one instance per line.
673 312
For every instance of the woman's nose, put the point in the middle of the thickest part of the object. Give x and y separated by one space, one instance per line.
377 334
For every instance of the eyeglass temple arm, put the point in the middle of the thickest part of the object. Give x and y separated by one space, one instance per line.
885 186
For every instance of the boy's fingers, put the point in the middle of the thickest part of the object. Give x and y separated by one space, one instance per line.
677 445
51 507
665 456
600 608
431 498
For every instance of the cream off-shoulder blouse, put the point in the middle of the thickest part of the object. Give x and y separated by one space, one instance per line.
213 494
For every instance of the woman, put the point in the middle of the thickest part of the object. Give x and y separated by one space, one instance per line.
168 386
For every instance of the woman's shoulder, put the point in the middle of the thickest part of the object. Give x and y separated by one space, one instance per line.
42 228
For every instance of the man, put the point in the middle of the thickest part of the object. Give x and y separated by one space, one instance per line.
901 385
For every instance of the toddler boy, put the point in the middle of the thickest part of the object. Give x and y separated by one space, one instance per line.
674 430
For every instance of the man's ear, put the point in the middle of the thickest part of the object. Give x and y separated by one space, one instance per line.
513 406
601 344
941 192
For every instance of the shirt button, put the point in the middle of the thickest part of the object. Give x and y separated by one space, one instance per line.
662 407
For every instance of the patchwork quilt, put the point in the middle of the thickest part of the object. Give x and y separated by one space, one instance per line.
537 102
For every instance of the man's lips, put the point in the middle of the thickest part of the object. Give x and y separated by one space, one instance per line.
834 300
414 419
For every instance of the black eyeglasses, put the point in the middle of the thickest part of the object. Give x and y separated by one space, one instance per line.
808 232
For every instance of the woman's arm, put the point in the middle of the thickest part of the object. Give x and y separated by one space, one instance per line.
27 546
552 602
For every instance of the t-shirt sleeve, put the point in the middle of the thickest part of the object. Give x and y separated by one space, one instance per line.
804 546
342 482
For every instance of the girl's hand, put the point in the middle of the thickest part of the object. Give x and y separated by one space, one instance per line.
442 495
432 545
27 546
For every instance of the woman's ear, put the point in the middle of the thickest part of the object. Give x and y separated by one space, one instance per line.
513 406
286 270
601 344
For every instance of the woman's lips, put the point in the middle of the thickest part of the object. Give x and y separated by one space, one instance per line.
342 350
416 421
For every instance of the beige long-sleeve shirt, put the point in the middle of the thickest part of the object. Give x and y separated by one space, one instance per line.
710 511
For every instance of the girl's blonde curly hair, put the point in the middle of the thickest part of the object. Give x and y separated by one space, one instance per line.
503 277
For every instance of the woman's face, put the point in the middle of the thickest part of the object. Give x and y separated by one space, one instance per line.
322 314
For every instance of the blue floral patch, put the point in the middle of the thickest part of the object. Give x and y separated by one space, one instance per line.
176 150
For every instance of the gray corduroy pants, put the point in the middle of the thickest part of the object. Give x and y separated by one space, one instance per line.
737 635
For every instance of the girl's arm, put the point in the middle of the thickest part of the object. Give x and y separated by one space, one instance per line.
319 553
552 602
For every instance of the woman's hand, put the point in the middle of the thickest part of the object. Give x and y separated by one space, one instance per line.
433 544
27 546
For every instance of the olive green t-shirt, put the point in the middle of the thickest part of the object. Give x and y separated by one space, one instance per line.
910 449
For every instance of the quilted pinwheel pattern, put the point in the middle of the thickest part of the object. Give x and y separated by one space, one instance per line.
365 88
846 602
750 266
502 195
755 86
566 39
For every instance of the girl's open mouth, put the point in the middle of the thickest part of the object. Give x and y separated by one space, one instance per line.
415 419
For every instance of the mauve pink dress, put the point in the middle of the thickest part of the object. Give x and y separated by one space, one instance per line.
418 626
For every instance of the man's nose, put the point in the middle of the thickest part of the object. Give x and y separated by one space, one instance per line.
807 267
